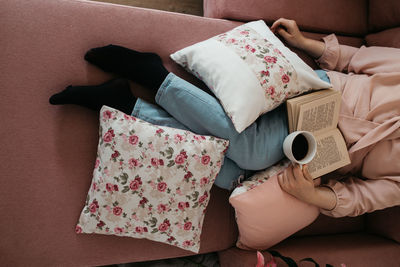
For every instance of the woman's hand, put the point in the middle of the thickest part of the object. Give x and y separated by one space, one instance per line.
297 182
300 184
290 32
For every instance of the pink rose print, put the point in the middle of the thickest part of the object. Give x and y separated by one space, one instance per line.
108 136
159 131
100 224
183 205
135 184
164 226
231 41
109 187
94 186
187 226
203 197
270 59
117 211
115 187
161 186
118 230
141 230
271 90
178 138
126 117
143 201
107 114
161 208
250 48
78 229
285 78
171 239
179 159
160 162
204 181
133 162
187 243
205 159
188 175
115 154
133 139
244 32
264 73
94 206
154 162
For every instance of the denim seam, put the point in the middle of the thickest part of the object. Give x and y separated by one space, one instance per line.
164 86
137 108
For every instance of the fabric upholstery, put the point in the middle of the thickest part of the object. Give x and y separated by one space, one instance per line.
339 16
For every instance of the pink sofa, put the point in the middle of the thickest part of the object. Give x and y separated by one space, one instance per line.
47 153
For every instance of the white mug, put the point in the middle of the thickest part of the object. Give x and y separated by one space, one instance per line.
303 157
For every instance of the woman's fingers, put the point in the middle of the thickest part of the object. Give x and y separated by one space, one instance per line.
280 22
306 174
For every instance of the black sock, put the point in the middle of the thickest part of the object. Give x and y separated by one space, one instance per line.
144 68
115 93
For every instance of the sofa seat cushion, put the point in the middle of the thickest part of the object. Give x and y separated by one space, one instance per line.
50 150
357 249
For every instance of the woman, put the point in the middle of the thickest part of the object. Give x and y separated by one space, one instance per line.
369 120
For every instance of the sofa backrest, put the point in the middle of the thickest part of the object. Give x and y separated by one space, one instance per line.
376 21
324 16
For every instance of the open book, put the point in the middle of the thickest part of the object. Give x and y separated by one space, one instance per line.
318 112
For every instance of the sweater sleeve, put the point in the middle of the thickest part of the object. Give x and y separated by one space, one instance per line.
335 57
356 196
363 60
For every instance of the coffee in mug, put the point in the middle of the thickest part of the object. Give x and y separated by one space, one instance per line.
300 147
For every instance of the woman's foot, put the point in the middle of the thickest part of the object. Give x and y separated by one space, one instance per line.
115 93
144 68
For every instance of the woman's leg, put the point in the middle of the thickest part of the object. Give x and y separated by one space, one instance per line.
256 148
229 173
115 93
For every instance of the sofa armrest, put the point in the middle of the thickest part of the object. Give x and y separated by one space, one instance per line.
385 223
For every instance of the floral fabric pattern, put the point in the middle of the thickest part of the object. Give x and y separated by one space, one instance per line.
150 181
260 177
275 73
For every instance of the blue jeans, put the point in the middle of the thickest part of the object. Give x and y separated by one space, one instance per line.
184 106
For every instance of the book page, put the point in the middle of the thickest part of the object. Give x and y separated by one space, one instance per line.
293 105
331 154
320 115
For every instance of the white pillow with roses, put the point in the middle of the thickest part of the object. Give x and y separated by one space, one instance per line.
150 181
249 70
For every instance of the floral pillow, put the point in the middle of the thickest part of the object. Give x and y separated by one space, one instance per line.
265 214
249 70
150 181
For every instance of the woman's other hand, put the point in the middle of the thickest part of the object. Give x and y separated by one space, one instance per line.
300 184
290 32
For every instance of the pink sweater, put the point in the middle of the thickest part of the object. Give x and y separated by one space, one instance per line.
369 121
